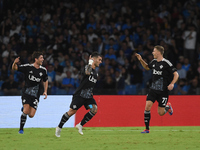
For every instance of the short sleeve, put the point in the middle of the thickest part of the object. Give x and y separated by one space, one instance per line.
45 76
151 63
23 68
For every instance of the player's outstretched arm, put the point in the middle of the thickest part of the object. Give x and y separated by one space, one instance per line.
14 65
144 64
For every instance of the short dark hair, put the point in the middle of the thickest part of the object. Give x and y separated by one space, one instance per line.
36 54
160 49
95 54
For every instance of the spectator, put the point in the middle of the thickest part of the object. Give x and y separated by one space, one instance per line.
120 82
181 87
111 54
190 43
109 86
10 87
182 72
194 88
68 83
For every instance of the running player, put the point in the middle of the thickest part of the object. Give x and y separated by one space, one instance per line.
34 74
84 94
163 79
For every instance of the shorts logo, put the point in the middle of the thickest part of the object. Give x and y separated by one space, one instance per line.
74 107
35 102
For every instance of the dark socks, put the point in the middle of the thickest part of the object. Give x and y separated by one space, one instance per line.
23 120
166 109
64 119
147 117
87 118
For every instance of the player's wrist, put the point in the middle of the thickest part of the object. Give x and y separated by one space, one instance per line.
90 61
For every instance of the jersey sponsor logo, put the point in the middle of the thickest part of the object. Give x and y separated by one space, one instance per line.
74 106
92 79
157 72
33 78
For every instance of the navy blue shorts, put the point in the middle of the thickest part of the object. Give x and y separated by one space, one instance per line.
32 101
161 97
78 101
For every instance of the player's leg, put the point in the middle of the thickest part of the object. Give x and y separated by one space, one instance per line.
161 110
88 116
163 105
169 108
66 116
147 115
76 103
32 112
23 117
63 120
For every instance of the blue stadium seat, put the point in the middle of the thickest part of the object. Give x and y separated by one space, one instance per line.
130 90
60 92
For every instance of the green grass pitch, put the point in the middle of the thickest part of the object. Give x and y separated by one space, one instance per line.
102 138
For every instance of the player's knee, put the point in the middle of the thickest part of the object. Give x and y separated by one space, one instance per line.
71 112
161 113
93 109
31 115
26 112
147 108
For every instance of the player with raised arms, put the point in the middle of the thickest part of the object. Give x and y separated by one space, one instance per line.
34 74
83 94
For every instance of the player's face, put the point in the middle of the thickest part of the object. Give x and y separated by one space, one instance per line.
40 60
98 61
155 53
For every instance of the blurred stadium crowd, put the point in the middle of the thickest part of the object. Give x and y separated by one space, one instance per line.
67 32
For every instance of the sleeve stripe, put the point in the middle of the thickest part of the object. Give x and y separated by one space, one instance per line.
168 62
24 65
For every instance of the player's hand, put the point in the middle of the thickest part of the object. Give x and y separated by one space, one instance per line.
91 57
16 60
138 56
170 87
45 95
91 60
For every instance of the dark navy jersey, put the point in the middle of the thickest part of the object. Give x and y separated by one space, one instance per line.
33 78
162 74
87 84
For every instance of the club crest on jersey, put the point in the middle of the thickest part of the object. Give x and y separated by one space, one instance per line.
92 79
157 72
33 78
153 65
40 73
161 66
31 71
